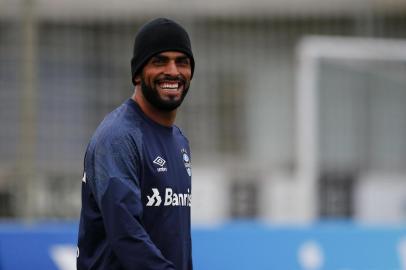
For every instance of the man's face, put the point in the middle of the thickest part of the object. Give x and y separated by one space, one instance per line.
165 80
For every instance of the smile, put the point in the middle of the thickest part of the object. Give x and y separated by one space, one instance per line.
169 86
173 86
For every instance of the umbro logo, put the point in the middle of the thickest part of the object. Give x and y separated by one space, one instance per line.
160 162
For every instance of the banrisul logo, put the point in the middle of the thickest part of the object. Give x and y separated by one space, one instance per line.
170 198
154 199
186 161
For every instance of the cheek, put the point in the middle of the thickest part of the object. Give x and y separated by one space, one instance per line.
149 78
187 74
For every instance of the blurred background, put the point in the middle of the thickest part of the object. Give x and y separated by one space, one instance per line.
296 113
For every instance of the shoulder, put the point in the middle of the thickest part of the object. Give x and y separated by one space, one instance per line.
120 129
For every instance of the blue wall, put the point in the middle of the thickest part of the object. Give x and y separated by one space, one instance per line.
238 245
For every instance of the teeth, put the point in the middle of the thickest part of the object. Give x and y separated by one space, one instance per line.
170 86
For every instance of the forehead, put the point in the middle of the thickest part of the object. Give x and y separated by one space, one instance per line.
171 54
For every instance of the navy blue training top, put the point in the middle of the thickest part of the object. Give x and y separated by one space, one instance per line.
136 195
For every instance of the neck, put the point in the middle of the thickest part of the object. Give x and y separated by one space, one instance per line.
164 118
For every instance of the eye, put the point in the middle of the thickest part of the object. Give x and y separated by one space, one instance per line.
184 61
158 61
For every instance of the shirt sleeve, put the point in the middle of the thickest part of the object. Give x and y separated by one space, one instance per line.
117 192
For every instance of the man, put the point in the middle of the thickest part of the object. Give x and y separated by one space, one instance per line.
136 190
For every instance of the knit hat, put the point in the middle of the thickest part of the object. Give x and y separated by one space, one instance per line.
157 36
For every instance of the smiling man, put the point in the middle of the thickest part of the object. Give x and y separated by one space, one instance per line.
136 187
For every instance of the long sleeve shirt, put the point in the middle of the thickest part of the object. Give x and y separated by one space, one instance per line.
136 195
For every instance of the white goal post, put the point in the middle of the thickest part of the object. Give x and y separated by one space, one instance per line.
310 52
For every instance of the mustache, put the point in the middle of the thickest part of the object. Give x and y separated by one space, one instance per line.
178 78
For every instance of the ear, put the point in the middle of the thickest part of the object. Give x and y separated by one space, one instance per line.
137 79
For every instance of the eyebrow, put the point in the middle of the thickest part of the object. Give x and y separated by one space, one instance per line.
183 57
160 57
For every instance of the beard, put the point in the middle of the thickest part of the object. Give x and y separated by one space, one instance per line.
151 94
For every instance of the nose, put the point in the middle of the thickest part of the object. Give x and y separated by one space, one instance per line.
172 69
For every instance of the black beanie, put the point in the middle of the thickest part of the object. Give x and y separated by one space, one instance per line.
157 36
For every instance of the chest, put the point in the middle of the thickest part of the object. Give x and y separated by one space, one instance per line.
167 167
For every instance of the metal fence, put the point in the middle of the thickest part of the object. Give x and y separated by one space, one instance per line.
59 77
